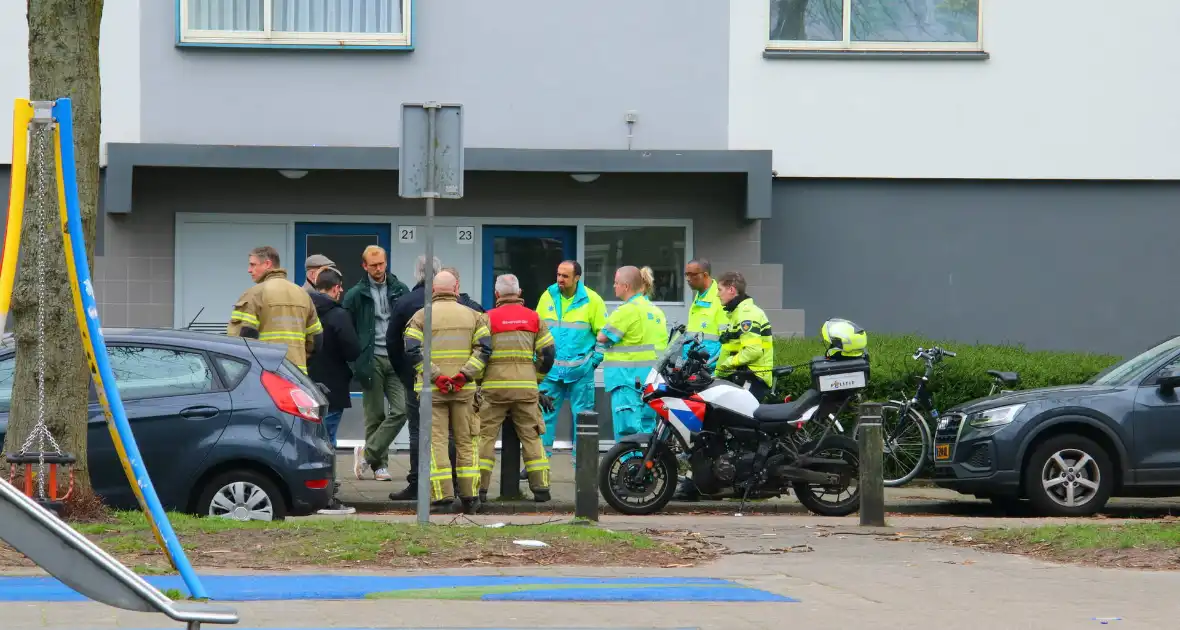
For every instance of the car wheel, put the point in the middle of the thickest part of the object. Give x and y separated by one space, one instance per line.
242 495
1069 475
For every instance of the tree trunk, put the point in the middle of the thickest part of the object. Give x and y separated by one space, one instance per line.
63 61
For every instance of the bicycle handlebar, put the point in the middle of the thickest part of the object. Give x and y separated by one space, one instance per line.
932 355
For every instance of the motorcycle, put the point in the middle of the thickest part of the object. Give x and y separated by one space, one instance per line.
735 446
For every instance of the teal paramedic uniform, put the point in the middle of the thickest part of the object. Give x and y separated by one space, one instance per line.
574 323
706 319
637 332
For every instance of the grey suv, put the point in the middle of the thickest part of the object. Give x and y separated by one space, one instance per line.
226 427
1069 449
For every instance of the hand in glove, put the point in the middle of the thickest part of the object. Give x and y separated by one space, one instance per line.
458 381
444 384
546 403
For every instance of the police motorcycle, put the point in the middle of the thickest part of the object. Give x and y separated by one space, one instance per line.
735 446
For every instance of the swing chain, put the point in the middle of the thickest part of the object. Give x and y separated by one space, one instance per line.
40 435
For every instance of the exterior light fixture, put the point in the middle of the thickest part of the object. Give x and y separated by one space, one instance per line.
585 178
289 174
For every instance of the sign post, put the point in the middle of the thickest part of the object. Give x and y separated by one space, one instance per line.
430 166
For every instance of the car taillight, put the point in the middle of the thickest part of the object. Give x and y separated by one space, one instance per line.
290 398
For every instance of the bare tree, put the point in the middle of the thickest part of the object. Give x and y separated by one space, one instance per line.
63 61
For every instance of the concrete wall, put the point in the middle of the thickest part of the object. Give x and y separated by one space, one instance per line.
531 74
1073 89
135 278
1053 265
119 65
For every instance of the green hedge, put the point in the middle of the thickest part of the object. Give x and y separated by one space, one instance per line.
956 379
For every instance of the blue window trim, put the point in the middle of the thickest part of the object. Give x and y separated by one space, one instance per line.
303 230
407 48
567 234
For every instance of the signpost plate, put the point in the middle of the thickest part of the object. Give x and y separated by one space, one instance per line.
415 155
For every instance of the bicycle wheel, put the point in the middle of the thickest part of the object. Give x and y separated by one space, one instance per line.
907 443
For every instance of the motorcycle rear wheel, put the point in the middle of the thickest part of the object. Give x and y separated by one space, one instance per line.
654 490
832 447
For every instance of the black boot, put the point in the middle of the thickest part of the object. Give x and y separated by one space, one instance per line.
470 505
445 506
687 491
541 496
483 496
409 493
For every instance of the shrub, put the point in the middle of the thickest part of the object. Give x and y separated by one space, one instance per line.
956 379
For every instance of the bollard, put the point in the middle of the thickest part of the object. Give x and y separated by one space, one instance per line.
509 460
872 474
586 469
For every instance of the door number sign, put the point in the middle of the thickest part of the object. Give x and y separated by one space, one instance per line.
407 233
465 235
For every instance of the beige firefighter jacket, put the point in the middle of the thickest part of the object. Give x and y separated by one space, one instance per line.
277 310
460 342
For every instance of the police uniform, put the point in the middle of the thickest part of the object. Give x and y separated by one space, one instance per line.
636 333
747 341
277 310
574 323
522 353
706 318
460 344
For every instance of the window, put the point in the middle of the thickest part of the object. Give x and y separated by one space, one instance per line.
158 372
298 23
232 370
7 376
875 24
660 247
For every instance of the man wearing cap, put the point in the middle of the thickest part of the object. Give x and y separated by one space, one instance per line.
314 265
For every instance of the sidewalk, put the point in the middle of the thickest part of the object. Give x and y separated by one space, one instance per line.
373 496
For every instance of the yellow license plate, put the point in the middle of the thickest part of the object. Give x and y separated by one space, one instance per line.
942 451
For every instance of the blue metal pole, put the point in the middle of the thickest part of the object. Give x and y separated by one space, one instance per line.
100 366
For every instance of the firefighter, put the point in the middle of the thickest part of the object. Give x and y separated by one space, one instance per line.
276 310
747 344
522 354
629 344
460 347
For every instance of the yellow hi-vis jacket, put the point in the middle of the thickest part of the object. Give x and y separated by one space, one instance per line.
747 341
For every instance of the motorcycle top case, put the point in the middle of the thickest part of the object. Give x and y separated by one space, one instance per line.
838 375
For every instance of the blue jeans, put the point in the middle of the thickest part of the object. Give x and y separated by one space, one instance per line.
331 423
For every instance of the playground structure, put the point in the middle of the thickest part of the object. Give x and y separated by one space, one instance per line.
25 523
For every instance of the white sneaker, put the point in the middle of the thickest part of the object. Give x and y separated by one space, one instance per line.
359 465
336 508
382 474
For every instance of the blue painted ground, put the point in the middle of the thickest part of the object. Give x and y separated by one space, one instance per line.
232 588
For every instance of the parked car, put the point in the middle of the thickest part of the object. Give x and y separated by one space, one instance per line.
226 426
1069 449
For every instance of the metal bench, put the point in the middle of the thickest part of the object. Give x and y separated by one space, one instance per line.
83 566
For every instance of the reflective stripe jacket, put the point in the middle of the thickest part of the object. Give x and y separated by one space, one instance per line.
573 330
636 331
460 342
706 318
747 340
522 352
278 311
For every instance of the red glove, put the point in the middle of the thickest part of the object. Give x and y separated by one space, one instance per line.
444 384
458 381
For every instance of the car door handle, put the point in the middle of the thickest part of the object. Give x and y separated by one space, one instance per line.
200 411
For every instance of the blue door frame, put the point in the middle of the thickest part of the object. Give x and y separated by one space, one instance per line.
567 235
303 230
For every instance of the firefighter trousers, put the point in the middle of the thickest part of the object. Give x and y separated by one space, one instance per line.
526 417
458 417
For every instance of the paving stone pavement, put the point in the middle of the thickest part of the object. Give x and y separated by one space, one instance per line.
373 496
844 576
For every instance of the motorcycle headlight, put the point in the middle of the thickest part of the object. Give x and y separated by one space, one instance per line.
997 417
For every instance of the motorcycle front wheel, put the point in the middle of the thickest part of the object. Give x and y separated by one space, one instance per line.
630 489
845 495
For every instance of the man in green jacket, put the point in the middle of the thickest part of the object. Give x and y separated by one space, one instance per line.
370 304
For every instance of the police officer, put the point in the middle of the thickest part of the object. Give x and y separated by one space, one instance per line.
705 316
276 310
630 342
460 347
522 353
574 314
747 344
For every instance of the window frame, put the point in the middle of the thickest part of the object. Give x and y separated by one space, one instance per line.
847 44
609 298
268 38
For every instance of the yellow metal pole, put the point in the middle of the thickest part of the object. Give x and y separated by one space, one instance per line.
21 117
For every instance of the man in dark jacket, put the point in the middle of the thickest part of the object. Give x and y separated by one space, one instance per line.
405 308
370 303
329 366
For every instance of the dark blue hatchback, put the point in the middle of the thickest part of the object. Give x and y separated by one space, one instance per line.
227 427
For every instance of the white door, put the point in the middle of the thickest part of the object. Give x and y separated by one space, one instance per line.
454 245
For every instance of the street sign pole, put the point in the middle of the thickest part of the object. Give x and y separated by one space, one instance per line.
430 159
